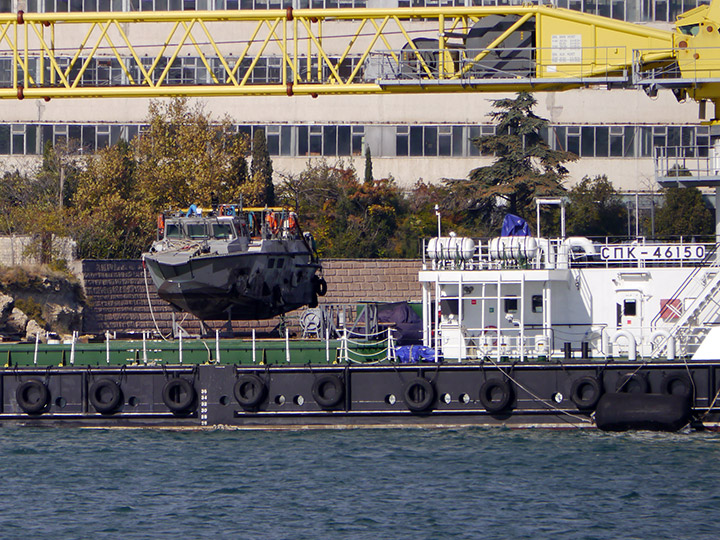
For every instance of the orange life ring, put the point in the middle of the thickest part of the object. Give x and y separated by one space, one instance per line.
161 222
491 330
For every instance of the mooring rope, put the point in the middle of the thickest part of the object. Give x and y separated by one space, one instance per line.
541 400
152 312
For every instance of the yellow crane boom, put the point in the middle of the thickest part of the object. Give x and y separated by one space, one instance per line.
355 51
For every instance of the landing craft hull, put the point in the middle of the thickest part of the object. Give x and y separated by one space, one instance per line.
240 286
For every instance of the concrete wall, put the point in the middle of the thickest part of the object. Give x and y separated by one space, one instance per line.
118 298
20 250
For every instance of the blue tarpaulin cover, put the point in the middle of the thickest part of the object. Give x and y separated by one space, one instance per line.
514 226
412 354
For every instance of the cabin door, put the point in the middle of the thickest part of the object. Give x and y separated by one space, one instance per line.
628 309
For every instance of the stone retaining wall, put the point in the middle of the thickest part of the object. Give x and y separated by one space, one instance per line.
16 250
118 299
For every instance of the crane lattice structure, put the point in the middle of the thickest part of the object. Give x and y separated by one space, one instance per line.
357 51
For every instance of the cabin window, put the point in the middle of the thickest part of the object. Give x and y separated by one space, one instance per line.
222 230
196 230
511 305
271 263
280 263
537 303
630 308
173 230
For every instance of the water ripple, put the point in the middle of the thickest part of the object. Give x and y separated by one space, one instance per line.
456 483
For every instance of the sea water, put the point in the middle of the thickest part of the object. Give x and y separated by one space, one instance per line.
359 483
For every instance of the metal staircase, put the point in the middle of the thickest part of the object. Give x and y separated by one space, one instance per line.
703 284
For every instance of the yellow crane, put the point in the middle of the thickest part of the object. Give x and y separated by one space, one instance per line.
356 51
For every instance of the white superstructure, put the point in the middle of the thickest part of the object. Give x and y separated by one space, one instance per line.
571 297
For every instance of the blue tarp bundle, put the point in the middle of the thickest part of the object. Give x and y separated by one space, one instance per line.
412 354
514 226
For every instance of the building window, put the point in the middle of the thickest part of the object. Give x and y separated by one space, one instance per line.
537 303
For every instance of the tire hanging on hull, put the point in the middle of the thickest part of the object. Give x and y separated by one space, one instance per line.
496 395
33 396
179 396
106 396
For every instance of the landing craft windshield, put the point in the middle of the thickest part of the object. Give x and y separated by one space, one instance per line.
222 231
217 230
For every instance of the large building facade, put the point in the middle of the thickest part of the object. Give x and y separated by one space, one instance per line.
411 137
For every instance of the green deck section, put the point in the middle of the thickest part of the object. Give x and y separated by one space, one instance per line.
194 351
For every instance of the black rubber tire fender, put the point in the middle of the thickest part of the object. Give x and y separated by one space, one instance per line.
32 396
249 391
328 391
179 395
673 381
106 396
632 383
321 286
496 395
419 394
586 392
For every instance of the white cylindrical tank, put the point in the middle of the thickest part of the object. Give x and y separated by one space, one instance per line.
513 248
451 248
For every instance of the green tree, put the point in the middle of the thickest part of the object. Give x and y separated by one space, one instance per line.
525 166
368 166
260 190
595 209
684 213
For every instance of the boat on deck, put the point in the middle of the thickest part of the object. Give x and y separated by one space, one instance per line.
235 263
517 331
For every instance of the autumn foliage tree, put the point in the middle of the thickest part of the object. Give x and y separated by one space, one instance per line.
349 217
185 155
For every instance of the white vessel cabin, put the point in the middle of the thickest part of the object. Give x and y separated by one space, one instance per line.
524 298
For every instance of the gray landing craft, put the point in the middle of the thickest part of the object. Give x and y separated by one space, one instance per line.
235 263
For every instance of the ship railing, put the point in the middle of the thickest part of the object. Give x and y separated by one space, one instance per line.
455 253
356 351
689 164
534 342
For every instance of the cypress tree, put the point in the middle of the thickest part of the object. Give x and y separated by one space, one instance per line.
261 169
368 166
525 166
